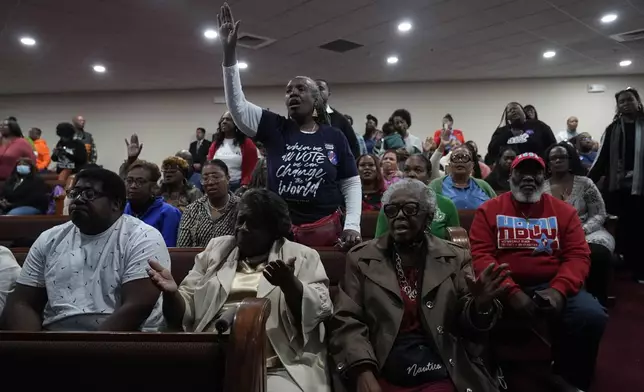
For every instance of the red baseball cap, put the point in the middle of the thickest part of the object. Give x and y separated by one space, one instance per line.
527 156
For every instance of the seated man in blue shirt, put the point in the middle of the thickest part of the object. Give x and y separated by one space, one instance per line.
143 202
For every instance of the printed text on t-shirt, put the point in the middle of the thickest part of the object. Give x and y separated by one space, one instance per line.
302 171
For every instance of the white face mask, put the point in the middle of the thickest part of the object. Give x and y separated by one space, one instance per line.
23 169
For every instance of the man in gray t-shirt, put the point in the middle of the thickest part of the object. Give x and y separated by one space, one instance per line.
91 273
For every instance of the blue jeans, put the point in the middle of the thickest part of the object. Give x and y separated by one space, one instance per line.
24 210
577 333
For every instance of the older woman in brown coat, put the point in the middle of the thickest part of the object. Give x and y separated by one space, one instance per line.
410 311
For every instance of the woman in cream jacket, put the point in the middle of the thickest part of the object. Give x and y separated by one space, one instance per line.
260 262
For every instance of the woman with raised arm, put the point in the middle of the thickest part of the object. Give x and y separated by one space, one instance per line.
310 164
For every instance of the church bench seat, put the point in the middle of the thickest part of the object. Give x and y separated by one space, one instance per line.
135 361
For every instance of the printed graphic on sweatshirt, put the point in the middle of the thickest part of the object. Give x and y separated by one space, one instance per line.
540 234
522 138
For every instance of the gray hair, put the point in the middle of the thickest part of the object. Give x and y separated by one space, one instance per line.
419 191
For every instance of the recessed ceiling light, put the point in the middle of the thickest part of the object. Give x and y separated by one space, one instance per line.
404 27
392 60
609 18
99 68
549 54
242 65
210 34
625 63
28 41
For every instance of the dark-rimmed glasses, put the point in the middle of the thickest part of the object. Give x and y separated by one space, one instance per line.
409 209
88 194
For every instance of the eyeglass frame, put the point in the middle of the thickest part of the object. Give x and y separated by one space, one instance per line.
401 207
70 194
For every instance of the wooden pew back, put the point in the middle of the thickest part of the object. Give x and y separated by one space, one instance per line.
23 231
146 361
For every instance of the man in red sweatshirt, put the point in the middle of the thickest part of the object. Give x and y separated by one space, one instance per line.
542 241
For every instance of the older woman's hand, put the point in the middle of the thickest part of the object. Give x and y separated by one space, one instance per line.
279 273
162 277
488 285
349 239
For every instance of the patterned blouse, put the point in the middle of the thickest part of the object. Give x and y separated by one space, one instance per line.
588 202
198 227
183 199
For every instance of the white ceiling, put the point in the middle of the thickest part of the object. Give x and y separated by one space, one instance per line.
159 44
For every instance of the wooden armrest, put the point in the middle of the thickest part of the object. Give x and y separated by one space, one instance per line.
246 354
458 235
610 224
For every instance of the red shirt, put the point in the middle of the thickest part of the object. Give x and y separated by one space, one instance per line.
458 134
541 242
10 153
411 323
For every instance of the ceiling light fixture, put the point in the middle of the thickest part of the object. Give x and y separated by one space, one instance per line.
242 65
210 34
609 18
99 68
28 41
392 60
549 54
625 63
404 27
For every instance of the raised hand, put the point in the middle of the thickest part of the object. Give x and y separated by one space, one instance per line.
228 29
488 286
133 147
162 277
279 273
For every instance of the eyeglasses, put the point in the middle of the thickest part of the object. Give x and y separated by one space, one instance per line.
88 194
169 169
409 209
460 158
212 179
138 181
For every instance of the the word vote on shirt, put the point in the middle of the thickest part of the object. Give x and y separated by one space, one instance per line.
304 169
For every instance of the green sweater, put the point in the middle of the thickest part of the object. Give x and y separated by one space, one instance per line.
437 186
446 216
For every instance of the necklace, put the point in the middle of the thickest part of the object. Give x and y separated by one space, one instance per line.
412 293
215 208
312 130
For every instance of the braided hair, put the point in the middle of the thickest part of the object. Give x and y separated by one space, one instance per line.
504 116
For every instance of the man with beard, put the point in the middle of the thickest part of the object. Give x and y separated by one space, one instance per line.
143 202
543 242
525 135
90 274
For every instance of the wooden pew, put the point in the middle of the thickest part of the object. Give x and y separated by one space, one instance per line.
24 230
135 361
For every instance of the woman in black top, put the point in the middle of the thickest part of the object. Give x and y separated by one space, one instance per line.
500 175
69 154
525 135
621 162
24 193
